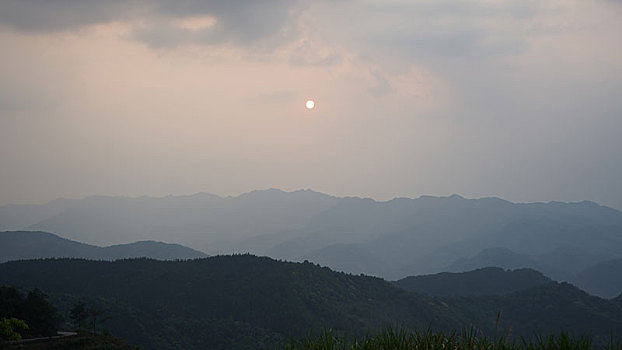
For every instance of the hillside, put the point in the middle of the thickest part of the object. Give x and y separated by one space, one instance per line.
547 263
603 279
485 281
245 302
20 245
227 300
392 239
549 308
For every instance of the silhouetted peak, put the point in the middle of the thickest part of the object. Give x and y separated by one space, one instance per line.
200 195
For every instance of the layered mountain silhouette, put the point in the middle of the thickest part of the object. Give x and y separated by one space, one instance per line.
22 245
391 239
603 279
486 281
243 301
195 220
508 259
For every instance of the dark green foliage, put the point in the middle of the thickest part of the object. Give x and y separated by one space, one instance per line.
11 302
546 309
79 315
486 281
39 314
34 309
10 327
96 316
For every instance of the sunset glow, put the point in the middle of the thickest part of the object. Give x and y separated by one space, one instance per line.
420 96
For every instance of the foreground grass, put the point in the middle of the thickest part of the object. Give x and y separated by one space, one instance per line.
403 340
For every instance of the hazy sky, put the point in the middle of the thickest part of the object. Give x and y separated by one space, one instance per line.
517 99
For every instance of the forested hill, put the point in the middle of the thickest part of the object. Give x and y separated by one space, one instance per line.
246 302
228 301
552 307
485 281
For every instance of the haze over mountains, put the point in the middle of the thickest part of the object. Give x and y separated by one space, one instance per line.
23 245
239 301
197 220
485 281
247 302
392 239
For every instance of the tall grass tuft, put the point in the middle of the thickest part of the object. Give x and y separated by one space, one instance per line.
401 339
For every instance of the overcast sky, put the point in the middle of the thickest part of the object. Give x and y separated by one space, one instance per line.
516 99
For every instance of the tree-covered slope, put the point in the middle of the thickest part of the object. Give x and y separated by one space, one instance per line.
166 303
485 281
246 302
549 308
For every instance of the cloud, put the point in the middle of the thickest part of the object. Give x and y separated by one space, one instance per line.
59 15
381 86
306 52
424 28
467 8
159 23
238 22
437 29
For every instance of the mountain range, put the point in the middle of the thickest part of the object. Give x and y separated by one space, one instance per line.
249 302
603 279
23 245
390 239
485 281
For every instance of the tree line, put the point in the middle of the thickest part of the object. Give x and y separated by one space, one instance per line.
26 315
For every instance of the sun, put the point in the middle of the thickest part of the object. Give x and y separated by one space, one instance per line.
310 104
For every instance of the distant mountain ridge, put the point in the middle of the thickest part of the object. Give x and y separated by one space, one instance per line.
405 237
392 239
485 281
195 220
603 279
503 258
22 245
